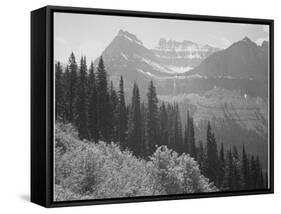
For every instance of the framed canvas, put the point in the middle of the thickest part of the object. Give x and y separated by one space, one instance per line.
131 106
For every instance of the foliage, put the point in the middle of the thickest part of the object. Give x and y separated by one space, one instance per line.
86 170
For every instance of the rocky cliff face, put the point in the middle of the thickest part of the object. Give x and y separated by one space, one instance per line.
182 56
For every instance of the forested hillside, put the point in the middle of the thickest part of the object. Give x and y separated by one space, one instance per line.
106 147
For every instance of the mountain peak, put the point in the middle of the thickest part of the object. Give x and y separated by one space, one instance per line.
128 36
245 42
246 39
264 44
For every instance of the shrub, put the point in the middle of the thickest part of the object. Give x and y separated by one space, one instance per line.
87 170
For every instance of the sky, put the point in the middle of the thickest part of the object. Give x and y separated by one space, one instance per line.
89 35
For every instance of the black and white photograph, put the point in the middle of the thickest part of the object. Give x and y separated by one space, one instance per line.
159 107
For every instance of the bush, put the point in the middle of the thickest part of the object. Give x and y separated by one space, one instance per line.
87 170
178 174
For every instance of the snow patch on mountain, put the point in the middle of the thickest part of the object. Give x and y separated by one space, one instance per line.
124 56
170 77
179 69
156 66
168 69
148 73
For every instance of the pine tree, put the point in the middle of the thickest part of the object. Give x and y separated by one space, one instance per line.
189 138
237 182
171 126
265 181
192 145
261 181
211 164
186 137
72 86
67 92
201 155
59 96
152 118
178 146
245 170
114 113
259 174
163 125
253 173
221 166
81 104
135 142
143 123
103 101
235 153
122 114
92 105
228 177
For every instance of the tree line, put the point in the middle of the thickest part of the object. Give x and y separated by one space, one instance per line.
87 99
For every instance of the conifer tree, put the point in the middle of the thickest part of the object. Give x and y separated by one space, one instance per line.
152 118
67 92
201 155
92 105
261 181
259 174
228 177
103 101
72 87
81 103
237 182
245 170
143 131
192 146
221 171
59 96
135 142
235 153
113 113
265 181
211 163
163 125
189 138
178 146
186 137
122 114
171 128
252 172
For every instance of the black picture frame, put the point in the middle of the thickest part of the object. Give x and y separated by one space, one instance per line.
42 130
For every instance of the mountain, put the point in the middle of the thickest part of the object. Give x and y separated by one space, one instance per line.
230 89
126 55
242 60
227 87
182 56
